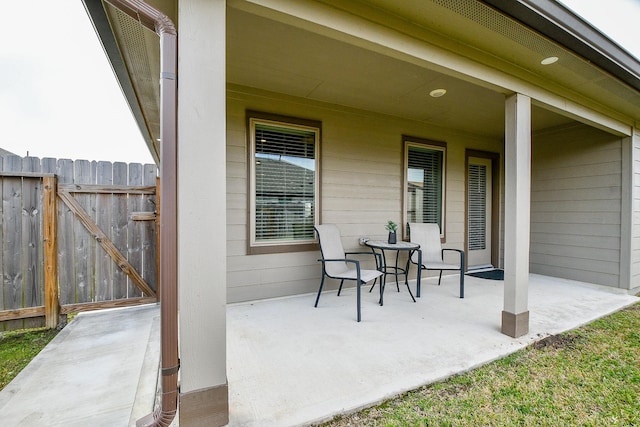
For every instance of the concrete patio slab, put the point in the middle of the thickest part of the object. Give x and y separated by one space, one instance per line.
289 363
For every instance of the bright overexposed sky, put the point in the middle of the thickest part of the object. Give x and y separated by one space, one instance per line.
618 19
58 94
59 97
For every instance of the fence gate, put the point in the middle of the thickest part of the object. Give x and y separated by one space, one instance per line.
75 235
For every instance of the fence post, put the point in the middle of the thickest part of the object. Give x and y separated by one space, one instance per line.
51 300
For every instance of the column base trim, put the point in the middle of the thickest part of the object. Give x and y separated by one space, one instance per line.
515 325
205 407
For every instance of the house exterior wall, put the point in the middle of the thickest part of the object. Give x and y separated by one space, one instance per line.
576 205
361 186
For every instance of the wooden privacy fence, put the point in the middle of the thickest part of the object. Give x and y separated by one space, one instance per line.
75 235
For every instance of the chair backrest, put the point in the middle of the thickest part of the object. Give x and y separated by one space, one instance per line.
428 237
331 248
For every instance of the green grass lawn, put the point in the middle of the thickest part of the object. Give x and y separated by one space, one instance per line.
586 377
18 348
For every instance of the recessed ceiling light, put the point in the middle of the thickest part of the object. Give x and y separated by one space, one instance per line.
550 60
437 93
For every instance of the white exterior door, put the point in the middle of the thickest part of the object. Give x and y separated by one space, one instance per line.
479 203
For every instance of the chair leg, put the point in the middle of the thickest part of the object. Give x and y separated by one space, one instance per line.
462 264
410 293
406 279
340 288
439 277
373 284
319 291
358 298
419 274
383 283
406 272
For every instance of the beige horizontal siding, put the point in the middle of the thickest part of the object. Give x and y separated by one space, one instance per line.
280 288
597 169
342 191
635 235
580 256
578 240
592 205
587 276
271 261
579 264
236 201
361 185
271 275
576 199
563 230
603 184
578 217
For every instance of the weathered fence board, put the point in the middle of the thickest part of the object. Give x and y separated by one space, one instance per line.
119 228
11 251
32 235
88 276
134 244
50 220
50 211
66 238
150 230
104 270
84 245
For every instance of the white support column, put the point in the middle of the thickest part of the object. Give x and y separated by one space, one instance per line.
202 220
515 316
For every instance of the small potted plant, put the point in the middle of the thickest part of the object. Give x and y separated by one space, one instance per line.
392 227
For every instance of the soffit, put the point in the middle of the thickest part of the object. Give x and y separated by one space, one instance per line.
485 33
270 55
140 53
274 56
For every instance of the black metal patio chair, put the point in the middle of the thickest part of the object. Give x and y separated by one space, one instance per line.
336 265
428 237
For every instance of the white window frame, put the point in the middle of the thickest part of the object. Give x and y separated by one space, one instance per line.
428 145
256 246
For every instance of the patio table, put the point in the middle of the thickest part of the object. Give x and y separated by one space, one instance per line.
396 270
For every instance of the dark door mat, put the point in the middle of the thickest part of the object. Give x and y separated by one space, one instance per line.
495 274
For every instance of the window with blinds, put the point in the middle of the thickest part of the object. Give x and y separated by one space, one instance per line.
284 182
424 183
477 205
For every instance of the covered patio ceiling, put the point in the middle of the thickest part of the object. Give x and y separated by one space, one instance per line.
270 55
272 51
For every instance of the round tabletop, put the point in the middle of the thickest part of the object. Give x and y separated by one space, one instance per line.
399 246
